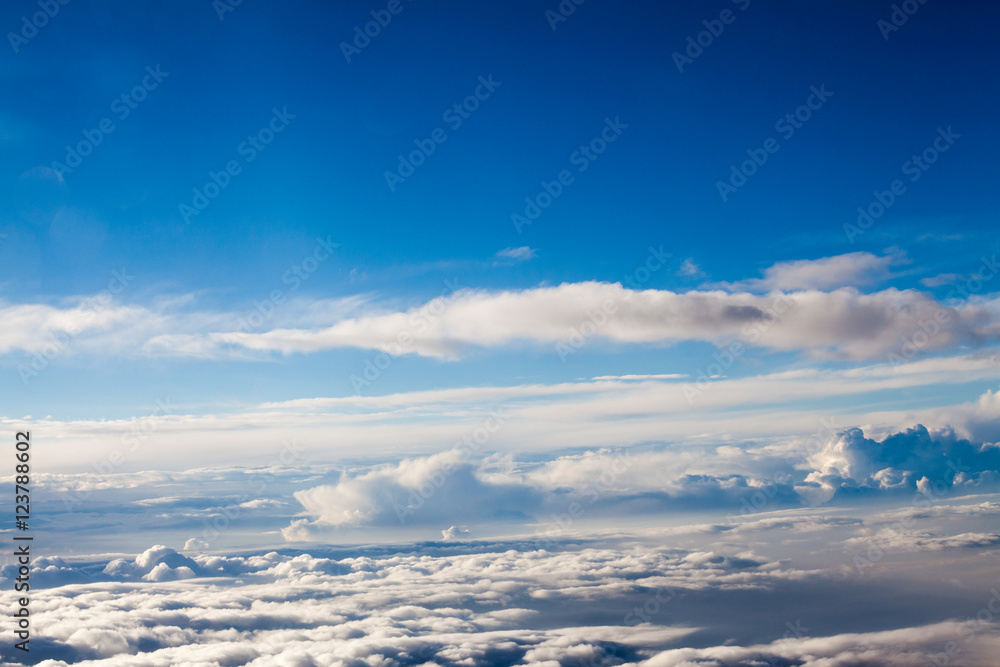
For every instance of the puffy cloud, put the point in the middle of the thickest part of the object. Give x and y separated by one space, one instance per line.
453 487
158 563
856 269
454 533
486 603
473 487
427 490
851 464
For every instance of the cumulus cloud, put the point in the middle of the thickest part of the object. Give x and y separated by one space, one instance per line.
454 533
443 487
456 487
158 563
491 603
852 466
855 269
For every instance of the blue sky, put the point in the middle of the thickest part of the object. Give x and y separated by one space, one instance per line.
501 322
308 232
324 174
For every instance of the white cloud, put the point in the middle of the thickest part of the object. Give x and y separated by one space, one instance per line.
689 269
944 279
158 563
896 540
454 533
856 269
841 324
661 376
907 647
632 601
538 417
517 254
797 316
457 486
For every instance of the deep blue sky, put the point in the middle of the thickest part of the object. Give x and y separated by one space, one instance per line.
324 174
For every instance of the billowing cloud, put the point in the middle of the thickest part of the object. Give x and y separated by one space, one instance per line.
455 486
158 563
852 465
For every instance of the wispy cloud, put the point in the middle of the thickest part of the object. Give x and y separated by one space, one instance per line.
520 254
689 269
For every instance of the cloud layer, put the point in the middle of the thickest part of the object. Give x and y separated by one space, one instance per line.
489 603
811 306
459 487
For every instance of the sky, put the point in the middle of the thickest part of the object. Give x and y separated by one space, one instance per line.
321 288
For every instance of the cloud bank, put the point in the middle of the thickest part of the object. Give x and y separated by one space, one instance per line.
487 603
809 306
